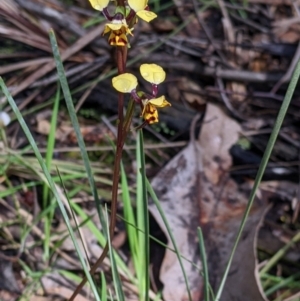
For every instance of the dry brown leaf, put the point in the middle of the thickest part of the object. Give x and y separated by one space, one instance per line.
217 136
239 91
174 186
191 92
195 189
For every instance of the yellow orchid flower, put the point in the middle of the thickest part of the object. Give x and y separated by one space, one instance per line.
118 32
149 112
125 83
99 4
153 73
139 7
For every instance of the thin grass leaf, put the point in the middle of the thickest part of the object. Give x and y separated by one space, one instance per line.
75 219
261 170
142 221
204 264
129 218
15 189
51 143
99 235
103 287
114 268
283 283
70 275
279 254
49 156
75 124
162 214
49 181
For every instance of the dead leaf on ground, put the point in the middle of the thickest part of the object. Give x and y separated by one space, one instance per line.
195 189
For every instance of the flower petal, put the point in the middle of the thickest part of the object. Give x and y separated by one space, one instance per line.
153 73
118 32
146 15
117 26
150 113
113 26
99 4
125 82
160 102
137 5
117 39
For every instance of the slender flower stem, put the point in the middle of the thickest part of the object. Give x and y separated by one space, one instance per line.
121 58
121 3
128 117
118 37
106 14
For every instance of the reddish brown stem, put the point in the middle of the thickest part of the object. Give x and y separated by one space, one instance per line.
121 3
121 136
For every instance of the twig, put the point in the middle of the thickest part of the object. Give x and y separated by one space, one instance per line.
90 89
251 24
228 28
237 75
227 102
80 70
62 20
78 45
209 36
287 76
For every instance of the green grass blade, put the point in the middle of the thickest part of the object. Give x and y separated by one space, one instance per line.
99 235
204 264
162 214
50 182
261 170
279 254
70 275
75 124
283 283
129 218
49 156
51 143
75 219
114 269
142 221
103 287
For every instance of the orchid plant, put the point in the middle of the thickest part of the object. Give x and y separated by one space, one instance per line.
125 17
127 83
120 25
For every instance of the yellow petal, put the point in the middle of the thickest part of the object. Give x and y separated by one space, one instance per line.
113 26
146 15
137 5
125 82
99 4
153 73
117 40
159 102
150 113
